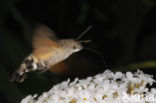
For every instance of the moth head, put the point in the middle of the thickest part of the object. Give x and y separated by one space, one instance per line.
75 46
71 45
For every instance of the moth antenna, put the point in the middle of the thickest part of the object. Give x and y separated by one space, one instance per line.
84 32
98 53
85 41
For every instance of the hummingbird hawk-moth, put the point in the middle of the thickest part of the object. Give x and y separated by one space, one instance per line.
48 51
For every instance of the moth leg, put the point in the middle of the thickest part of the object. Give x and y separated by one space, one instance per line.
18 78
44 70
42 66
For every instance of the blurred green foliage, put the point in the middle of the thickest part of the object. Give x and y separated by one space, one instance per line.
124 31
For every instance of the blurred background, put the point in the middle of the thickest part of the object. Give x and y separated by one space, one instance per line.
124 32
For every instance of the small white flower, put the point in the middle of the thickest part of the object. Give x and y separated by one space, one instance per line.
107 87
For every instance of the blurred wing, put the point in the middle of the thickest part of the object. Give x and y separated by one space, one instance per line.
43 44
44 31
60 68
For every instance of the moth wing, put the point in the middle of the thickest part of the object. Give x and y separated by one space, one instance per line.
60 68
44 31
44 42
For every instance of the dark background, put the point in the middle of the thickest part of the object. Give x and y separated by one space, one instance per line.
124 32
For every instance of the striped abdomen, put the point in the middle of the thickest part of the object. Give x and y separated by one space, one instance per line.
31 63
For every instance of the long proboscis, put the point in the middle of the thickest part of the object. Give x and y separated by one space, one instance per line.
98 53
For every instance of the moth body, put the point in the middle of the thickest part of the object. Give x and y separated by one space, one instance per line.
33 63
47 52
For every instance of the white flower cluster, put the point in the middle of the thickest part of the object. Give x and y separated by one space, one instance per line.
106 87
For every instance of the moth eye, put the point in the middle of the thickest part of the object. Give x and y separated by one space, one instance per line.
74 47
